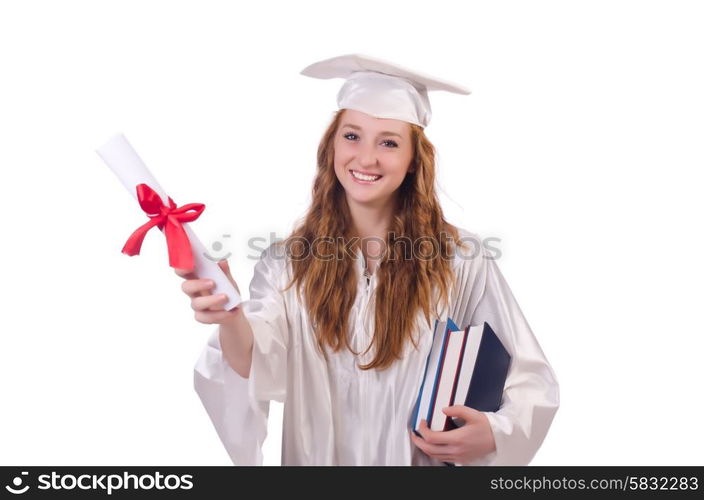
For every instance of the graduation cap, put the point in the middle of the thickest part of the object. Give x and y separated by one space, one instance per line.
381 88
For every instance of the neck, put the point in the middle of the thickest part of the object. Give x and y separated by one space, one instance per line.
371 220
371 224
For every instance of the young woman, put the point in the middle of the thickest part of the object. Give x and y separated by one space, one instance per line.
340 317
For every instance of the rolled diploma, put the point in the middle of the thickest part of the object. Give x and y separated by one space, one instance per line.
123 160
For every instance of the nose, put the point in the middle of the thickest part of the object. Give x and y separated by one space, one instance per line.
367 156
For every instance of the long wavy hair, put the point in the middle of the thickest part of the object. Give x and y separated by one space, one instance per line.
406 284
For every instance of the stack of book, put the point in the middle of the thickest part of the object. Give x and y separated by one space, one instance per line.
464 367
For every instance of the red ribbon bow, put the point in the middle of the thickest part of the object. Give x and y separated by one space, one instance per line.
180 254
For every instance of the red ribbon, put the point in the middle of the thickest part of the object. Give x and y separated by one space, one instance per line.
171 217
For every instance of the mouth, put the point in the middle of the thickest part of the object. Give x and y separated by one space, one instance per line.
364 178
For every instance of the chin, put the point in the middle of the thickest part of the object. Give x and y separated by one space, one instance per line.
366 199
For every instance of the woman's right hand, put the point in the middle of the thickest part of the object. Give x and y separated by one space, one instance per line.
209 308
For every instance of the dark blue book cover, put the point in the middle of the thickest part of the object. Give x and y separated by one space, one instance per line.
487 380
486 387
489 376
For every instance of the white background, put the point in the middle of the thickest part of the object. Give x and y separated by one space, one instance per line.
580 147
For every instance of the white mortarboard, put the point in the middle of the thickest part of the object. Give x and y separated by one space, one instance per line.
381 88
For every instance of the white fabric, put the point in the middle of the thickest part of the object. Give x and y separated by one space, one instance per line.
382 88
336 414
384 96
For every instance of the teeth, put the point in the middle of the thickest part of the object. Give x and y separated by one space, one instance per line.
364 177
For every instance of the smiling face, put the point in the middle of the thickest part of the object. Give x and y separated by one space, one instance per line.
372 157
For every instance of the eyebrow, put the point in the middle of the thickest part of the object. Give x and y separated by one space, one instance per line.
385 132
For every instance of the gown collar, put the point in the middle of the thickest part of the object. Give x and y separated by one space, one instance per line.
361 268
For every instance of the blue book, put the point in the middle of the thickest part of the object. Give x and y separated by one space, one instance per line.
482 376
467 367
426 395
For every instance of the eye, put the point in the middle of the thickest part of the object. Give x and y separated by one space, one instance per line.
353 137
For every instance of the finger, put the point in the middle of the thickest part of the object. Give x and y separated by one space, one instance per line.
225 266
425 443
185 273
213 317
417 441
193 288
430 436
211 302
429 449
460 411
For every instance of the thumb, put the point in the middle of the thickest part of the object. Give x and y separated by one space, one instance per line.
226 269
464 412
224 265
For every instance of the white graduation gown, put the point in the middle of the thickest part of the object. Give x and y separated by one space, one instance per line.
337 414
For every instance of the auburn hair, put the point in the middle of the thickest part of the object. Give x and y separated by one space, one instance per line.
405 284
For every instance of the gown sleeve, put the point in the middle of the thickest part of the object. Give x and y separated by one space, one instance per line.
239 407
531 394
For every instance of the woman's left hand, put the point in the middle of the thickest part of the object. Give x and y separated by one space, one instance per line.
462 445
